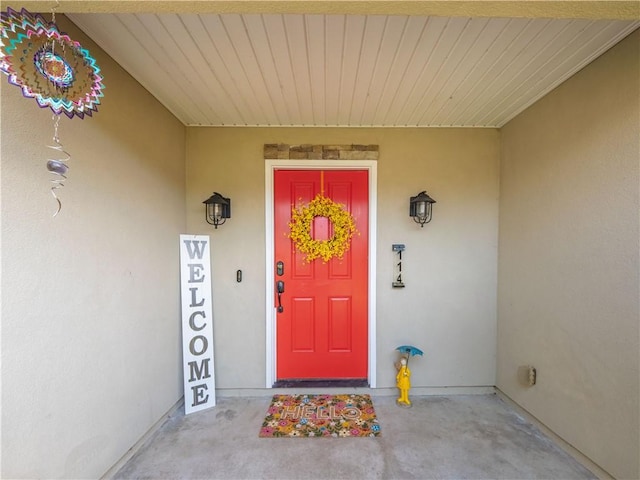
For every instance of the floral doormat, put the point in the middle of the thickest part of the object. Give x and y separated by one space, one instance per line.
320 416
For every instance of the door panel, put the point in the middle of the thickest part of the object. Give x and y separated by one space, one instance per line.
322 331
303 328
340 324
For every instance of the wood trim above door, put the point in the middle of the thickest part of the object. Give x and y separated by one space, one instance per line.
270 317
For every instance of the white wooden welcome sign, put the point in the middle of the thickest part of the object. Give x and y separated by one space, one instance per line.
197 327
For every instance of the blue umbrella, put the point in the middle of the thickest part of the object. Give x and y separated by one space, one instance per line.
409 351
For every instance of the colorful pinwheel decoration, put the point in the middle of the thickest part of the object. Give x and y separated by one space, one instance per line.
54 70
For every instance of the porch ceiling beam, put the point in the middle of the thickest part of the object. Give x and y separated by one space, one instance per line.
606 9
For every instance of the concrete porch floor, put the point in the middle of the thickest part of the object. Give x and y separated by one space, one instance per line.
443 437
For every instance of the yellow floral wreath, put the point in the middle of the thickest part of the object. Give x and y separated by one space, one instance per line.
343 229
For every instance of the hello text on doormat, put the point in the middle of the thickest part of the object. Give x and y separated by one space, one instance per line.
320 416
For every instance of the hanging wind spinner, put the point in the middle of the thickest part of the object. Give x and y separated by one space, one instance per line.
54 70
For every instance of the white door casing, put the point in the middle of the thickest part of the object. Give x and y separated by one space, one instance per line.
270 308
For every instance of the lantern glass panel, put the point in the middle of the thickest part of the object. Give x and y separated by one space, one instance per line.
217 211
421 209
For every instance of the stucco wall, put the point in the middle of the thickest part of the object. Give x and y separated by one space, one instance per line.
448 307
90 299
568 263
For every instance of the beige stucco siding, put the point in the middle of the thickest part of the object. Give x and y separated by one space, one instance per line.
448 307
90 305
568 264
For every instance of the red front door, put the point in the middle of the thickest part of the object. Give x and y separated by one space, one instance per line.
321 332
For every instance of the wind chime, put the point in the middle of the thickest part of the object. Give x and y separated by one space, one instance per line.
54 70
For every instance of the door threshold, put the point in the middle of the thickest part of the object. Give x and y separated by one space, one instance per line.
322 383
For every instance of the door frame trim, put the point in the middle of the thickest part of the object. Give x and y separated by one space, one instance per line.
270 321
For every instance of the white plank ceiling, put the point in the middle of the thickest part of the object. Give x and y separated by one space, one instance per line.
348 70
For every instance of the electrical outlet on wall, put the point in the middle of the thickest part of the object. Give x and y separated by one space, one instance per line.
527 375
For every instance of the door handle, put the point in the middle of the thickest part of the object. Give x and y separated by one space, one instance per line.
280 289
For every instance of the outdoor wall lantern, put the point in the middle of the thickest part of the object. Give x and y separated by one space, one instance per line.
420 208
218 209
